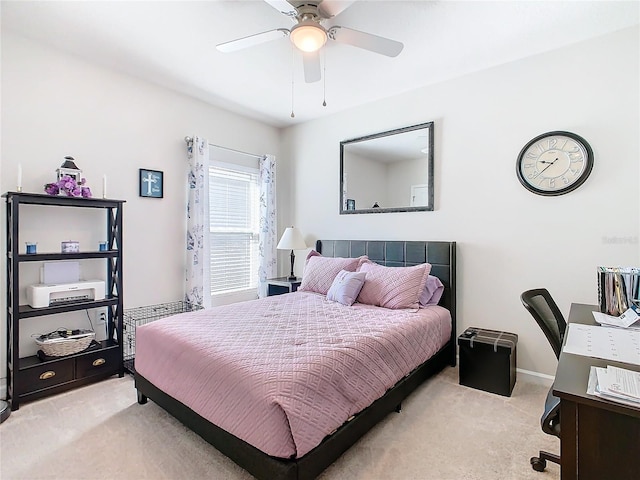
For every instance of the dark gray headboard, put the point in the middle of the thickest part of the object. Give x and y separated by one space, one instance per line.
441 256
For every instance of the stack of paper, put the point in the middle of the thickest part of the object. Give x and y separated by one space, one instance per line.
618 344
616 384
629 319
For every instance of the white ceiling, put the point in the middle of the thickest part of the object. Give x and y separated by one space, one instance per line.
172 43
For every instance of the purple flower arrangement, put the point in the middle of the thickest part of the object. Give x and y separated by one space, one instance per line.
69 186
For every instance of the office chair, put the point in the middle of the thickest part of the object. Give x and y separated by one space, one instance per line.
546 313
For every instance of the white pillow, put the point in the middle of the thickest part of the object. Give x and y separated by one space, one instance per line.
346 287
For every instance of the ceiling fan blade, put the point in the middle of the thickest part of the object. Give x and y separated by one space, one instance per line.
368 41
311 63
252 40
331 8
283 7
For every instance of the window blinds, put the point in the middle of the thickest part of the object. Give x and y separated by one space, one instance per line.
234 233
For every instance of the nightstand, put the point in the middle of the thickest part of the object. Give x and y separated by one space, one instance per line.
280 285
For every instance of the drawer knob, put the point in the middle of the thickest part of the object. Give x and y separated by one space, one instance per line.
47 375
99 361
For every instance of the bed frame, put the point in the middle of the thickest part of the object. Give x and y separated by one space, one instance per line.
442 257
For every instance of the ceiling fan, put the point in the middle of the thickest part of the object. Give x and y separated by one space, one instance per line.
309 35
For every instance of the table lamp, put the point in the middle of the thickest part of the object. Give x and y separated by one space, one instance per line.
291 240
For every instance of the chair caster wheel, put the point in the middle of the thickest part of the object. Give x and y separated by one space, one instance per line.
538 464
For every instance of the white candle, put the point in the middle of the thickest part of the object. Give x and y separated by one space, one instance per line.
19 177
104 186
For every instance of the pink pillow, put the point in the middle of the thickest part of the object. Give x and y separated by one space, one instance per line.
432 292
319 271
393 287
312 253
346 287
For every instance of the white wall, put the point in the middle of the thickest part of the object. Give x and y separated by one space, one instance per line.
402 176
509 240
366 181
54 105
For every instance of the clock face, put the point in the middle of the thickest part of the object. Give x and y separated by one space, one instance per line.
554 163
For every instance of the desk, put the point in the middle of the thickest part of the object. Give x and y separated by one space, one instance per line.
600 440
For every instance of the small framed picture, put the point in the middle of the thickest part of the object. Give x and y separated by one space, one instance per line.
70 246
151 183
351 204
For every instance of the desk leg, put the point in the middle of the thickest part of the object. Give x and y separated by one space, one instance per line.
568 440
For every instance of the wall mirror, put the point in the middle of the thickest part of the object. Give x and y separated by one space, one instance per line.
388 171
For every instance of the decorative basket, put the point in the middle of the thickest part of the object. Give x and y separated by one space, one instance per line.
65 342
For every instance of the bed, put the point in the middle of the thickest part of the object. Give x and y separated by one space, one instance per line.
312 446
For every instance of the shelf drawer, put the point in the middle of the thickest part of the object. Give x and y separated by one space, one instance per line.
97 363
44 376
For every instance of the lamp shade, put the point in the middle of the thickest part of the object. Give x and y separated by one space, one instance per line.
308 36
291 240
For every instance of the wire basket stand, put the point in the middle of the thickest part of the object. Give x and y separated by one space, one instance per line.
135 317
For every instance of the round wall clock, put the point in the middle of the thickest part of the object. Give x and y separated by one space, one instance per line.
554 163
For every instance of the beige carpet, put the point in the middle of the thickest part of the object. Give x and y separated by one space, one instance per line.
444 432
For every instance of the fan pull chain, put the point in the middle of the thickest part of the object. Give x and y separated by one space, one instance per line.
324 79
292 76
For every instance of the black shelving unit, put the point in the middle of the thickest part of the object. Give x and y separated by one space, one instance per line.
29 378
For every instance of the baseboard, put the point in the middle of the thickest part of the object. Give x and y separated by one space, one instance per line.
534 377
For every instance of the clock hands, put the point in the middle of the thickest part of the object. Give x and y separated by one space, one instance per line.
542 171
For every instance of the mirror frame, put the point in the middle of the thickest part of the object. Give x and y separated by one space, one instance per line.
430 182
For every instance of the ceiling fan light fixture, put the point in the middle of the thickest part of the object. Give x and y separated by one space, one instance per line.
308 36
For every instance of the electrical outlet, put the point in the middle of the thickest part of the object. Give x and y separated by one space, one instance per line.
100 316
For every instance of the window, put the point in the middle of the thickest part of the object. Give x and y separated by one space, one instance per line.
234 228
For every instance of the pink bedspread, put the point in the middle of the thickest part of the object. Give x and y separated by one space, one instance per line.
283 372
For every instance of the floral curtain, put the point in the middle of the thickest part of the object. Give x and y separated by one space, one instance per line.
197 274
268 228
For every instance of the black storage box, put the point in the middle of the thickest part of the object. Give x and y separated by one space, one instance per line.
488 360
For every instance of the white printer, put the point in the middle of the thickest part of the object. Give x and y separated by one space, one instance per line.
46 295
